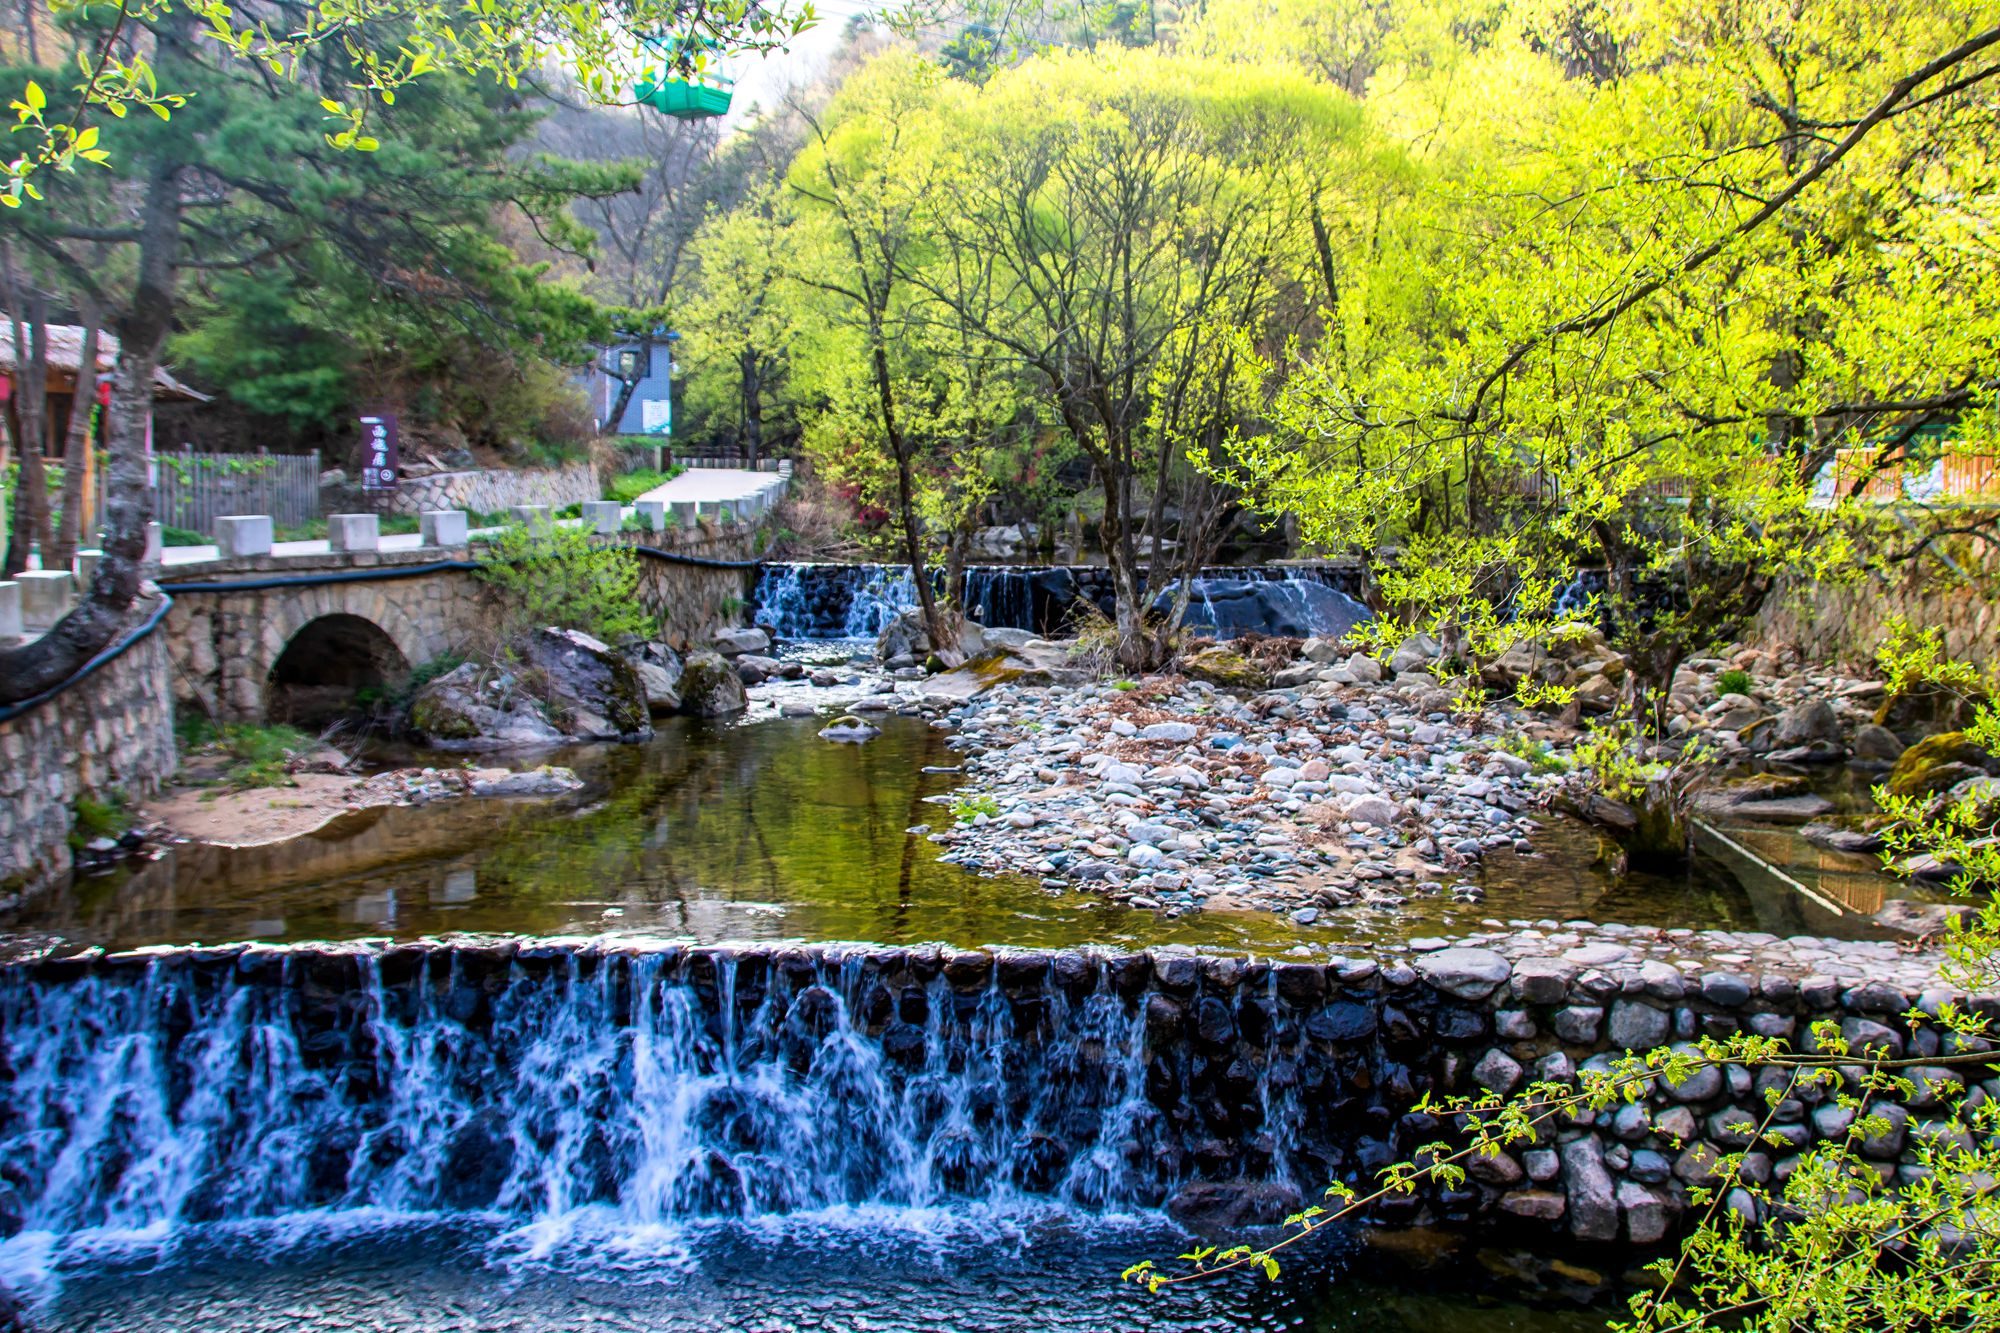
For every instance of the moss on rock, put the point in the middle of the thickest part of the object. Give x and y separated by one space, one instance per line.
1935 764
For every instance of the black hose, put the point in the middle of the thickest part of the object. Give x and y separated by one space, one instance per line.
335 576
105 656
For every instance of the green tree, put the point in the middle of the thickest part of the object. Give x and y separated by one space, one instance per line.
1653 269
378 254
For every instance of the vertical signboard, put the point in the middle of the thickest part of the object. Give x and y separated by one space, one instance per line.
379 444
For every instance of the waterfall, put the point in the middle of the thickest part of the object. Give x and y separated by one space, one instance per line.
660 1085
805 601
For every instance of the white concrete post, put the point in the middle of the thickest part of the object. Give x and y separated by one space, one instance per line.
10 611
686 512
534 516
653 513
603 517
156 543
46 597
442 527
354 532
239 535
86 568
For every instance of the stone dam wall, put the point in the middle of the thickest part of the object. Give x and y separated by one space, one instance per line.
669 1081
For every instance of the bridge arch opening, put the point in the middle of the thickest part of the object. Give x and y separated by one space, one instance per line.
327 668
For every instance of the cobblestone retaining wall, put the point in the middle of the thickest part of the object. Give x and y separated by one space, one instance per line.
491 490
1225 1089
109 735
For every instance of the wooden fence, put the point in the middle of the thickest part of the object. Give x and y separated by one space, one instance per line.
192 490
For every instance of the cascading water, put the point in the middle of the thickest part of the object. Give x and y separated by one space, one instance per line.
179 1093
802 601
834 1137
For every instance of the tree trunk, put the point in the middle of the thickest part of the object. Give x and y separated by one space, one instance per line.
753 407
31 491
98 618
944 638
76 449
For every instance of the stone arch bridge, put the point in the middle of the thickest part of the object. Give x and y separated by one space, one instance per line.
292 638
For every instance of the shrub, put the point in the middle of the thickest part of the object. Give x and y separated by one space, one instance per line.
557 576
95 819
173 536
1734 681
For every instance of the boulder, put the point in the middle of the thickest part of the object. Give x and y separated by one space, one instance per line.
462 710
710 687
1936 764
1365 669
753 669
1323 652
659 670
906 637
735 642
1802 724
1878 745
1413 653
544 781
592 693
1219 665
849 730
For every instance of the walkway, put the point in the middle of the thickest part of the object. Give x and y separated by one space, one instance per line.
714 486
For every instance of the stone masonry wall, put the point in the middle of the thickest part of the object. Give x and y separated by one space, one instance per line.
491 490
1845 623
111 734
1263 1079
693 602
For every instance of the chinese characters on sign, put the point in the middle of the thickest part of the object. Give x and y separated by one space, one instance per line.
378 440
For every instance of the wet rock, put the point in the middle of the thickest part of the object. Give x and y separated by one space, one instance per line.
1638 1027
1593 1203
1648 1213
477 1163
1224 1207
849 730
736 642
1922 919
1544 980
1469 974
545 781
710 687
752 669
659 671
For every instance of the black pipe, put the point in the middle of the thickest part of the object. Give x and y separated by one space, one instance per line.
334 576
697 561
382 572
104 657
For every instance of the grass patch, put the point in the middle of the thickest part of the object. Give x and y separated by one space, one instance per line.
1540 756
631 485
173 536
257 756
1734 681
93 819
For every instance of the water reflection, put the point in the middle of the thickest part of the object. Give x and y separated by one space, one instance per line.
762 831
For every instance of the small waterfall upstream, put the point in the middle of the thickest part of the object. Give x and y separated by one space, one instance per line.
660 1083
837 601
